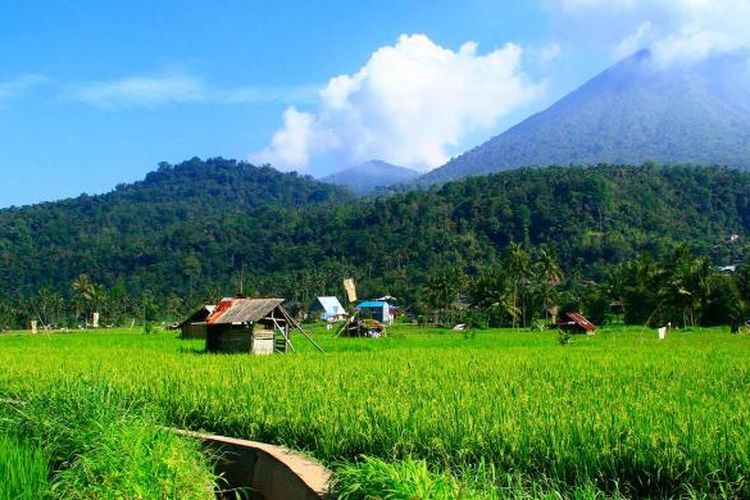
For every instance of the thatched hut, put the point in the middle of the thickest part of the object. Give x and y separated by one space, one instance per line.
194 326
241 325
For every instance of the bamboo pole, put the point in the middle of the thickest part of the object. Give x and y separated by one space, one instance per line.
346 324
298 327
284 333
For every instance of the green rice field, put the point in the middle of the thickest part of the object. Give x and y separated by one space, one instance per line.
424 413
23 470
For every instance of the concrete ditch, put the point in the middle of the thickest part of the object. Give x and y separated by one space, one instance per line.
258 470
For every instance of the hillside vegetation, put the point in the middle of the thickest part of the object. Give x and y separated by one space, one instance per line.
187 233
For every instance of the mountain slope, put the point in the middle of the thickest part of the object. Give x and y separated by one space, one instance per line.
156 231
633 112
186 233
366 178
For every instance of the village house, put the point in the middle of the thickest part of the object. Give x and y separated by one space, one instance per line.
194 327
242 325
328 309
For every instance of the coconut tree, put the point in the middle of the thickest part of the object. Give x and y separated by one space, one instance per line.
688 285
84 293
518 267
48 307
548 276
491 291
89 298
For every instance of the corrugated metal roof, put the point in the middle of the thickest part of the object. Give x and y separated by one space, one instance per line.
234 310
581 321
371 303
331 305
199 315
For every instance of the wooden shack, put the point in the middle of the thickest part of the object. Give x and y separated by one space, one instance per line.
242 325
194 326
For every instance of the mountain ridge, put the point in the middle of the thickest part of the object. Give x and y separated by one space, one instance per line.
633 112
184 236
371 175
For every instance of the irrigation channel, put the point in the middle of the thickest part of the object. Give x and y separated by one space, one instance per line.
263 471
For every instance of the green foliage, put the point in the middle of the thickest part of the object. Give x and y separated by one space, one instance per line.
563 336
23 470
538 326
376 478
102 444
617 413
499 242
682 289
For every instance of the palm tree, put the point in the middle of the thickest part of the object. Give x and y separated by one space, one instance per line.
518 267
492 291
49 305
689 285
640 280
85 291
548 276
89 296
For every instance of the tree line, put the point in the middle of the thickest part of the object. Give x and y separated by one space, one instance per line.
505 246
526 287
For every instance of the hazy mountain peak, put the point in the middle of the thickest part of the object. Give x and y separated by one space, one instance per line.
635 111
368 176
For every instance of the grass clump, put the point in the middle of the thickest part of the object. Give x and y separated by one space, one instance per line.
23 470
376 479
103 446
373 478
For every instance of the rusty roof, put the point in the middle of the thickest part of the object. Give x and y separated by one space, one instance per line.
237 310
581 321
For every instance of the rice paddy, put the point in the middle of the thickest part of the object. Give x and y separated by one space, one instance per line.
23 470
423 413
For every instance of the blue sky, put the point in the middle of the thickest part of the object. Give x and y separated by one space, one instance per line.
93 94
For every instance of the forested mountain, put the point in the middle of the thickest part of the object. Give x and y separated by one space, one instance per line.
158 229
186 233
638 110
369 176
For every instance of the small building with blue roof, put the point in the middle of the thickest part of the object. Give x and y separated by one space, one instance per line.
379 310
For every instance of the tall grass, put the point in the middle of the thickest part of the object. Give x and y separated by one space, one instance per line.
100 444
406 479
23 471
619 414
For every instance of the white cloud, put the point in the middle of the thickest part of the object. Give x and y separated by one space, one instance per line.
410 104
240 95
547 53
634 41
290 146
20 84
152 91
140 91
676 30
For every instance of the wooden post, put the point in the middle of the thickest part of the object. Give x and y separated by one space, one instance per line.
284 332
32 326
298 327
